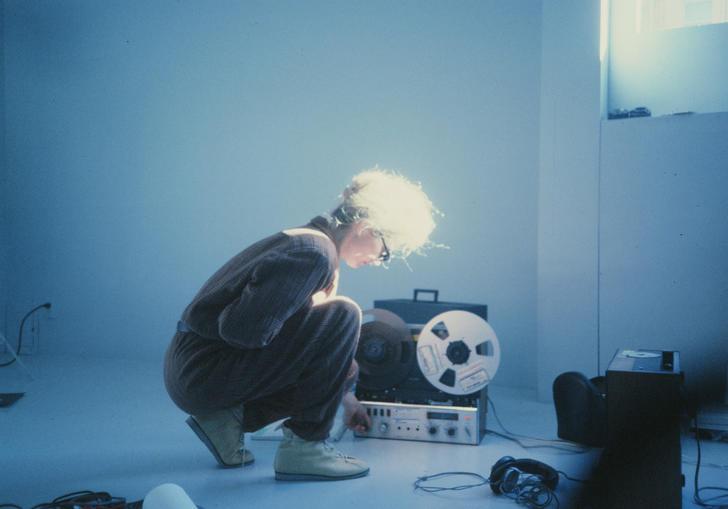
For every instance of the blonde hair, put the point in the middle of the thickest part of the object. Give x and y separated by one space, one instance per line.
391 205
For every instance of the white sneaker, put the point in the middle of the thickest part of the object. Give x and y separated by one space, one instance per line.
301 460
222 433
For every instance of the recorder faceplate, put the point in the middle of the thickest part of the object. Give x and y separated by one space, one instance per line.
449 424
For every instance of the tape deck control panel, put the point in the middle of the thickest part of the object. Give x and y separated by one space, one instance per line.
458 425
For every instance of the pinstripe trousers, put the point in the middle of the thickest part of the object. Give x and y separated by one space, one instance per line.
301 374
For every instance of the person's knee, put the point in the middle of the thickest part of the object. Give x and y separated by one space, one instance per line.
344 315
347 310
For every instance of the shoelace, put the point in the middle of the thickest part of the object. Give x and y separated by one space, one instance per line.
327 447
339 454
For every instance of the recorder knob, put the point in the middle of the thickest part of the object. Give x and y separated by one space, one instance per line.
451 432
432 430
383 427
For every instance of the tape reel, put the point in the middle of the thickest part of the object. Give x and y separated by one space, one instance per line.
635 354
386 350
458 352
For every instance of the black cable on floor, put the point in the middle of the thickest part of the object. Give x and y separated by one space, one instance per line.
696 496
563 445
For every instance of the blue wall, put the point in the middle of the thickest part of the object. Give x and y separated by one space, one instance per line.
149 142
4 268
145 144
568 211
664 243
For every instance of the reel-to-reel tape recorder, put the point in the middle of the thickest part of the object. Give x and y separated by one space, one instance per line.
424 369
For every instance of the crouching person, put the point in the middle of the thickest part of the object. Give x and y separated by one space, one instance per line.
267 337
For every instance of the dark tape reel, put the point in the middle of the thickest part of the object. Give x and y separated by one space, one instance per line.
386 350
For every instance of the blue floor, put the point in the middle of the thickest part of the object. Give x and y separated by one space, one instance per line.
109 426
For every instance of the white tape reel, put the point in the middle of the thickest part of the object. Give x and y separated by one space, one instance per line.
458 352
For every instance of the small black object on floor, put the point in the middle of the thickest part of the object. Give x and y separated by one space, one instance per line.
7 399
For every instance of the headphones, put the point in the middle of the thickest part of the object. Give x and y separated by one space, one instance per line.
505 474
535 490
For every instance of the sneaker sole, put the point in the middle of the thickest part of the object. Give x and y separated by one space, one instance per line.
203 438
311 477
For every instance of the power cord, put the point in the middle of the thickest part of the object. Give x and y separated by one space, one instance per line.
709 503
86 499
79 499
435 489
47 305
563 445
583 481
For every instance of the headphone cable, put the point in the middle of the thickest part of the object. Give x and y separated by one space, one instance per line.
696 495
435 489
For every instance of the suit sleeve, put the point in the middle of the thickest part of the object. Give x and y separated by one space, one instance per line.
280 286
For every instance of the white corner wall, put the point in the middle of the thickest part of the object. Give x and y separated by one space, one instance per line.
664 243
633 222
568 191
150 141
668 71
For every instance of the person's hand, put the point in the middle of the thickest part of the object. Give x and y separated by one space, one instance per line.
353 375
355 415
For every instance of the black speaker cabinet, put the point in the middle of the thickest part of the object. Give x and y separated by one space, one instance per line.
640 466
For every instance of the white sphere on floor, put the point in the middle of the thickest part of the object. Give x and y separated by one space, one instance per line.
168 496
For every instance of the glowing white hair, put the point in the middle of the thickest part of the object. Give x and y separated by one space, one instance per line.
393 206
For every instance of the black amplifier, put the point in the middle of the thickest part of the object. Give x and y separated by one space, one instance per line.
416 312
641 464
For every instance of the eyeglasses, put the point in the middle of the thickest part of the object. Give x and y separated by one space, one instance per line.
384 256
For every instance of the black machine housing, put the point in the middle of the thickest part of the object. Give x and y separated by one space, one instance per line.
413 387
